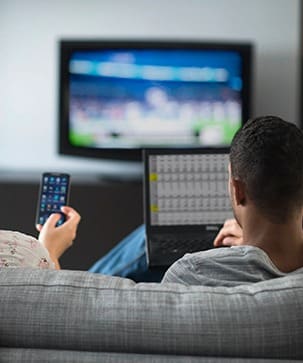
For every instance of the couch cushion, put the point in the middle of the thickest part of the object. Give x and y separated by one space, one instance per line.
12 355
73 310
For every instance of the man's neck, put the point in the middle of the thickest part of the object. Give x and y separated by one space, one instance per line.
282 242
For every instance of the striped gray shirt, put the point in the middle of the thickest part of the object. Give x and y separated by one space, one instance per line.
233 266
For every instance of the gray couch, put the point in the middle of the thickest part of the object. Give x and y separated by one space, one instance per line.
73 316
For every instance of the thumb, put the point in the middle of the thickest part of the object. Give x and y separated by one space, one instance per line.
52 220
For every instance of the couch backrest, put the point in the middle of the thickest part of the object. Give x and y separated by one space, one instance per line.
76 310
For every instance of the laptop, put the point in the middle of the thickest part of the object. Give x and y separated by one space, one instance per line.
186 201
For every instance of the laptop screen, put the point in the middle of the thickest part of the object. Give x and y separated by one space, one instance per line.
187 187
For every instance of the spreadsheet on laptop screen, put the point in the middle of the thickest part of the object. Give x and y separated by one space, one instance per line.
188 189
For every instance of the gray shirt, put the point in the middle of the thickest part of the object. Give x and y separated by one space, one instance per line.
223 267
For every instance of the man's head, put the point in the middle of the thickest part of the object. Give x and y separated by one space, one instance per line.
266 163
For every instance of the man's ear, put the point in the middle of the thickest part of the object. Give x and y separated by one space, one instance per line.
238 189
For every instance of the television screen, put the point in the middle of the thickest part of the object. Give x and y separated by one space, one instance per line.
117 97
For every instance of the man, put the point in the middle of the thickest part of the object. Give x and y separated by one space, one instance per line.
266 191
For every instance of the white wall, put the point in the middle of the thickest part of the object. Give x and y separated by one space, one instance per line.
29 30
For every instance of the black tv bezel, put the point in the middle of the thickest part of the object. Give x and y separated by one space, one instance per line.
66 47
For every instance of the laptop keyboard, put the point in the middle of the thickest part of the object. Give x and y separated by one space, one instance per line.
170 243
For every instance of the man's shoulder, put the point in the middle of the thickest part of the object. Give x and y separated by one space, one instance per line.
234 252
223 266
236 257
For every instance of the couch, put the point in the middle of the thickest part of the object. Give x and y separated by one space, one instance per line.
75 316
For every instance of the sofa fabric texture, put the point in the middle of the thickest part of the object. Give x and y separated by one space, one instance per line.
63 356
74 311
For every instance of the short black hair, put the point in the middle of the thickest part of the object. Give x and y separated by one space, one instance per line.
267 155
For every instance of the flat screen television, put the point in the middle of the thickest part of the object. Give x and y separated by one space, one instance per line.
119 96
